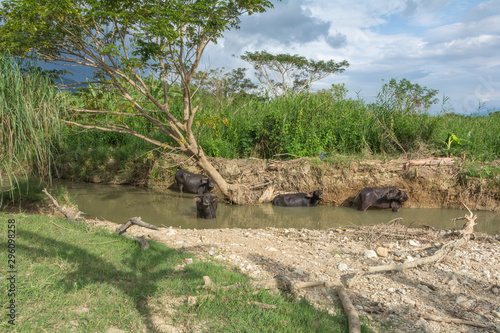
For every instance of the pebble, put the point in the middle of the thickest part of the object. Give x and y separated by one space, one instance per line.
382 252
342 267
413 243
409 259
367 254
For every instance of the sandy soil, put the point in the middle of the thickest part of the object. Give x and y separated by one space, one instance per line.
464 285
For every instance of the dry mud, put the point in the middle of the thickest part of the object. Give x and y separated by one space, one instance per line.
464 285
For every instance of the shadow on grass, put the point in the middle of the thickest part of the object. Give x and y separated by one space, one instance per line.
138 276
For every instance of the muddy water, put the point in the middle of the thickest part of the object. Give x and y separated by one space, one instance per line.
118 203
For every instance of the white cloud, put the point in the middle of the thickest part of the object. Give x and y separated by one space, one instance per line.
451 46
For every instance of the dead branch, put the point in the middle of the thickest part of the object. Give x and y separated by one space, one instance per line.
134 220
350 310
281 282
429 162
454 320
466 233
121 230
263 305
70 213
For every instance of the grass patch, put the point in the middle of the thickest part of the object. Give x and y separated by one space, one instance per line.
75 277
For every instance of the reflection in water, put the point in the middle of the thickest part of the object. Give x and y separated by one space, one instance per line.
118 203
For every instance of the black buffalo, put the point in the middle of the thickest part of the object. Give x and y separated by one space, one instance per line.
298 199
384 197
193 183
206 205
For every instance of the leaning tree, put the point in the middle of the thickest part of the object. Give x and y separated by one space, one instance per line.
125 41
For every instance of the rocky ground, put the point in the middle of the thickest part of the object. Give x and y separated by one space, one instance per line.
462 286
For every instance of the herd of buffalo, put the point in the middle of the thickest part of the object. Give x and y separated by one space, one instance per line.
206 203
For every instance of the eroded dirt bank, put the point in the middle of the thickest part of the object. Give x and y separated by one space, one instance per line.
429 186
462 286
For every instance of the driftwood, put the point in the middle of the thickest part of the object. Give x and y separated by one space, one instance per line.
134 220
279 282
466 233
121 230
429 162
350 310
71 214
455 321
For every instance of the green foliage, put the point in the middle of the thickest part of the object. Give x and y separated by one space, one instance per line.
283 73
306 124
406 97
124 41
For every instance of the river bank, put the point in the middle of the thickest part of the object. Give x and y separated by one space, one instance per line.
431 185
464 286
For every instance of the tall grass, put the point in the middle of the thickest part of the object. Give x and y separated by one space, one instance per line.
316 124
29 118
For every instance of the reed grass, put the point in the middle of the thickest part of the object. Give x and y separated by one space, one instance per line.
30 107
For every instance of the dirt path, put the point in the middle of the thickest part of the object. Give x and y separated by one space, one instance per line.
464 286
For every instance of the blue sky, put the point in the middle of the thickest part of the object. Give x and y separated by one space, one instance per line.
451 46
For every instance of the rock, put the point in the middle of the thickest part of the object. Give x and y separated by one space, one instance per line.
391 290
461 299
409 259
342 267
272 249
413 243
367 254
382 252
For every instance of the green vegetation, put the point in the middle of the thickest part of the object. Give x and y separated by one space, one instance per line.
77 277
30 108
308 124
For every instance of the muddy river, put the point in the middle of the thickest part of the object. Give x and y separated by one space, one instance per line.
118 203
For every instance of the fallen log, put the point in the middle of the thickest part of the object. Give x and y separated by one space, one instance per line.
71 214
350 310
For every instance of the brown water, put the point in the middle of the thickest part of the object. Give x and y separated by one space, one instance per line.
118 203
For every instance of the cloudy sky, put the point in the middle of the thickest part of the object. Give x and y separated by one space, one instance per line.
452 46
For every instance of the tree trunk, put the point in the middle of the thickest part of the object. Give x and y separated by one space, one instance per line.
235 193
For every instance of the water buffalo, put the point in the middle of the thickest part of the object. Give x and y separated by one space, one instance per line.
206 205
193 183
384 197
298 199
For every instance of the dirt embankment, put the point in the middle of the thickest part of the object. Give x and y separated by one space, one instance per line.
428 186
